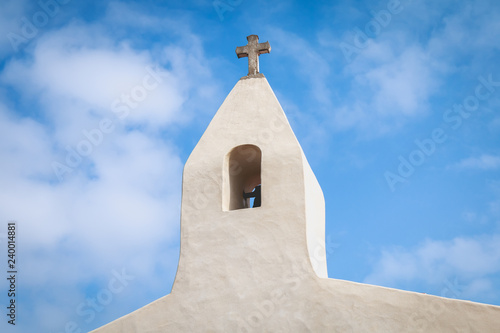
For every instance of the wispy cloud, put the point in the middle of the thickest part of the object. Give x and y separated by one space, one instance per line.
120 206
433 264
483 162
392 82
89 73
388 94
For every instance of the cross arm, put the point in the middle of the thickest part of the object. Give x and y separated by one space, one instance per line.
242 51
264 48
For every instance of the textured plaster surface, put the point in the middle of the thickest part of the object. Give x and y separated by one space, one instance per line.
264 269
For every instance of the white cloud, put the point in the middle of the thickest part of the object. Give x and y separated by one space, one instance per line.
133 194
310 64
390 84
119 207
77 67
483 162
402 86
392 81
470 30
460 268
387 86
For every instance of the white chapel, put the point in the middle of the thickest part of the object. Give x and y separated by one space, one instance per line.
252 256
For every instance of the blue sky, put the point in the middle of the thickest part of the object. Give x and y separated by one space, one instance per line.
395 103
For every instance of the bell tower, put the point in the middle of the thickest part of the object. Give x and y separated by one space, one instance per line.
252 253
249 147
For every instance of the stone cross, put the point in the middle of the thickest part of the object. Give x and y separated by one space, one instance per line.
253 50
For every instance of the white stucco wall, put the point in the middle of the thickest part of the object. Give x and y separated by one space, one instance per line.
250 270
